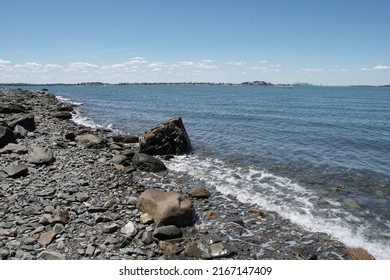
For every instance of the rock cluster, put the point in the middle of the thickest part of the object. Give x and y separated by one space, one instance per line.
72 192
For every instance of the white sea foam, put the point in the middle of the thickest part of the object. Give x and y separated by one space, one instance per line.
281 195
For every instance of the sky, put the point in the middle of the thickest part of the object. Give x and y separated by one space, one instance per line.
332 42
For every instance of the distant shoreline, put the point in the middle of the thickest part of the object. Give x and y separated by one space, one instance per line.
254 83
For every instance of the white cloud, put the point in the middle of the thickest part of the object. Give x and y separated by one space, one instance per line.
376 68
27 67
81 66
203 64
381 68
264 61
235 63
4 62
136 61
311 70
53 66
258 68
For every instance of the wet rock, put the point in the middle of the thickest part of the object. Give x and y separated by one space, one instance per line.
148 163
235 219
199 192
126 139
62 115
168 208
167 232
6 136
40 155
169 137
358 253
219 250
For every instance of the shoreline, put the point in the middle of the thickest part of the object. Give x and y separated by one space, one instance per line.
81 181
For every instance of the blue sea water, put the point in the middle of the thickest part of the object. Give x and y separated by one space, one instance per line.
319 156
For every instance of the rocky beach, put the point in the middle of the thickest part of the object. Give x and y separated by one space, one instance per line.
73 192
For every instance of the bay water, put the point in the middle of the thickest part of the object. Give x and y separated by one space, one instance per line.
318 156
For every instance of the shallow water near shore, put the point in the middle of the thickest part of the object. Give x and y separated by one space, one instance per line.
315 155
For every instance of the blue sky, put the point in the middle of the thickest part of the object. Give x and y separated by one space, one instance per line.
332 42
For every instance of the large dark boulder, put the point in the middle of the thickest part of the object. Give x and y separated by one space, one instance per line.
25 121
9 108
169 137
148 163
6 136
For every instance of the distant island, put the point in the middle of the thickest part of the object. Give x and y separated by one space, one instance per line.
253 83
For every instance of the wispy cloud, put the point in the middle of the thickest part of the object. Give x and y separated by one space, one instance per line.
311 70
258 68
81 66
381 68
4 62
376 68
235 63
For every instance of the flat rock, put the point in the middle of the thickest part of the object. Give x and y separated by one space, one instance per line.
16 171
167 232
40 155
46 238
51 255
14 148
90 141
168 208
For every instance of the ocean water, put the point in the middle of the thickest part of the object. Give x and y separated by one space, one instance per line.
319 156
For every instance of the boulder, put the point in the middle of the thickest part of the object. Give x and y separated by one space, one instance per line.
125 139
25 121
148 163
6 136
62 115
10 108
168 208
358 253
90 141
169 137
40 155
